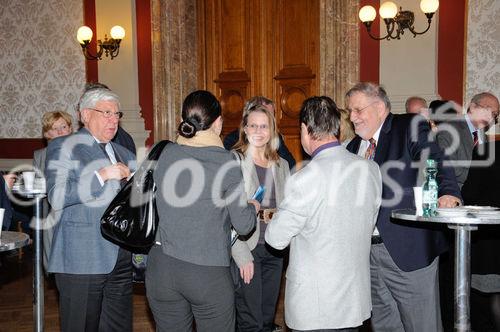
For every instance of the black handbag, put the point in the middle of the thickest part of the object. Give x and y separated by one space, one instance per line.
131 219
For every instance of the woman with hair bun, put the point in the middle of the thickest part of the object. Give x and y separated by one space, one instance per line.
200 196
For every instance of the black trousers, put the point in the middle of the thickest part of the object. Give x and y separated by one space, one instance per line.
256 301
179 292
97 302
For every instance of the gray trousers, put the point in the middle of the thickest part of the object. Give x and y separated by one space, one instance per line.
403 301
179 292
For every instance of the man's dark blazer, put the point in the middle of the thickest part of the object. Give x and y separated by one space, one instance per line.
481 188
410 246
231 139
5 204
448 133
124 139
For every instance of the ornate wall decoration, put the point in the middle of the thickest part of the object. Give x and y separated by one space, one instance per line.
483 48
339 48
41 66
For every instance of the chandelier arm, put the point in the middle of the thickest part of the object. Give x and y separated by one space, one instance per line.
429 20
368 26
392 24
88 55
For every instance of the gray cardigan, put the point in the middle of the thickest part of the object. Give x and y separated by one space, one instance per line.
241 250
200 195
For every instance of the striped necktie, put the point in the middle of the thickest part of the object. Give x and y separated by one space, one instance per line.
475 138
370 152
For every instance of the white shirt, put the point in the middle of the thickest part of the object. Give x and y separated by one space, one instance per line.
112 158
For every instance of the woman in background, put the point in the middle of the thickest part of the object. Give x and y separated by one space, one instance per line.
199 196
260 265
54 124
346 127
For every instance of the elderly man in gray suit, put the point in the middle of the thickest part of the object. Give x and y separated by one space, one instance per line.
83 172
459 135
327 216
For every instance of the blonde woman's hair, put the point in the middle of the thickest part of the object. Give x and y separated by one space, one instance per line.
346 126
271 151
49 118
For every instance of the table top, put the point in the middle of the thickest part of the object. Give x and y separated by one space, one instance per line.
35 192
13 240
470 218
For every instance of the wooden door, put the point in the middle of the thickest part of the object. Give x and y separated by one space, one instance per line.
260 47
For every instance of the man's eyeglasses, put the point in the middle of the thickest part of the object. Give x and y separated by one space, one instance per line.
108 114
359 110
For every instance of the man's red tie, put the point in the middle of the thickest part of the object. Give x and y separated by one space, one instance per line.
475 138
370 152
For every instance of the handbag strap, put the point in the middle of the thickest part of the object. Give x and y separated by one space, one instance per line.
150 162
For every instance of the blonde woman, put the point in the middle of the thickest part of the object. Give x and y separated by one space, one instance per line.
346 127
54 124
260 266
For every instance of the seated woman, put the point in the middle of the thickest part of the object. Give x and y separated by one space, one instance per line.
199 196
260 265
54 124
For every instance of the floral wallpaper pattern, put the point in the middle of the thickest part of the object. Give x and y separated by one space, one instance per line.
41 65
483 48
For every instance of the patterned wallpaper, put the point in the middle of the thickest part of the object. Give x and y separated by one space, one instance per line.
41 65
483 48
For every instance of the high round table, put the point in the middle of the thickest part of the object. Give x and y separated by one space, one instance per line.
462 225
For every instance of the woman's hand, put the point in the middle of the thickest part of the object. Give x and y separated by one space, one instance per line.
255 203
246 272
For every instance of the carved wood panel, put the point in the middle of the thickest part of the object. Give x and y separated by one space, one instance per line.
260 47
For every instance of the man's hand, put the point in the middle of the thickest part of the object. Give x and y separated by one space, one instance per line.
246 272
117 171
10 179
448 201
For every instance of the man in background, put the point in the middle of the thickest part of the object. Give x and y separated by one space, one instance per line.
416 105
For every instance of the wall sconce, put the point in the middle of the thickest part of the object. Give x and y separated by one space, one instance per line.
396 22
110 46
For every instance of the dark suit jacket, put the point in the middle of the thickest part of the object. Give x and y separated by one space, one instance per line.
481 188
124 139
231 139
401 142
452 133
5 204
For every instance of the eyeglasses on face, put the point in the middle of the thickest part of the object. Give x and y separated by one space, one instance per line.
358 111
254 127
108 114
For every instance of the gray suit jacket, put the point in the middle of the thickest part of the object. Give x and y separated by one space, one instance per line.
200 195
327 217
241 250
455 138
74 190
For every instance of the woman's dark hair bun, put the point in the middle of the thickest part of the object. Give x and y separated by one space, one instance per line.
187 129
